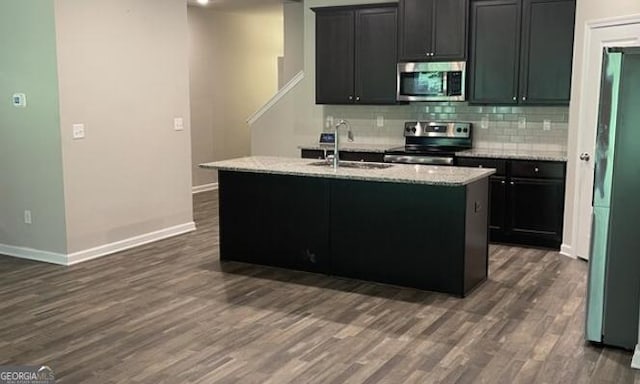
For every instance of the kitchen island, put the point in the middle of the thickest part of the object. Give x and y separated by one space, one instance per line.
417 226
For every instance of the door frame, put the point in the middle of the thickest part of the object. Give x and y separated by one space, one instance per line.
597 35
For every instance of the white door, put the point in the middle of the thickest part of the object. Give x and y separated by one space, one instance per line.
599 36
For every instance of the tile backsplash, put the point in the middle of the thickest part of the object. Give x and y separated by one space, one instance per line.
496 127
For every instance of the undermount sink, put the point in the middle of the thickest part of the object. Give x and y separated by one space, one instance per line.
353 164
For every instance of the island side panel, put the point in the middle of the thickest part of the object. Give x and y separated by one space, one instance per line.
404 234
275 220
476 259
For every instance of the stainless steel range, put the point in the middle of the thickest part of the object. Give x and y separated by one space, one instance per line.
428 142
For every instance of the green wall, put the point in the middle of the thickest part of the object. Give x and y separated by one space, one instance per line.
30 146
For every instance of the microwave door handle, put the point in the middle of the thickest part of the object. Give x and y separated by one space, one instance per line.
445 82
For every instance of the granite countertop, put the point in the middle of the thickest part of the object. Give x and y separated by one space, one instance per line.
515 154
352 147
397 173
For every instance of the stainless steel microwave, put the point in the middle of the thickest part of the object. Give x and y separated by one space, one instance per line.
433 81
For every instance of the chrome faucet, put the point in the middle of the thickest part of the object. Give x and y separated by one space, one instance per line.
335 158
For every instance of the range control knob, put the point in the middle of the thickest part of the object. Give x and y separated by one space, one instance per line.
408 129
413 130
458 129
465 130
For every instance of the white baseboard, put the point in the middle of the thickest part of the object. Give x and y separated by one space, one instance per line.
204 188
33 254
107 249
635 362
567 250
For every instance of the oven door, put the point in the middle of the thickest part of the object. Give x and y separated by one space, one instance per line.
439 81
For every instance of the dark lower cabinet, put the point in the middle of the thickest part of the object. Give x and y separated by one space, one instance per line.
254 229
527 200
498 217
428 237
536 210
356 54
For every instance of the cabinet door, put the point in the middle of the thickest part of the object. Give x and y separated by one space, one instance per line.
537 208
416 29
255 227
497 217
494 54
376 55
335 56
450 30
547 51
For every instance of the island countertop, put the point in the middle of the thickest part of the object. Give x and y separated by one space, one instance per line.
396 173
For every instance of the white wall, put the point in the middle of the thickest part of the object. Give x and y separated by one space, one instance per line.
233 67
586 11
123 72
296 119
30 153
293 40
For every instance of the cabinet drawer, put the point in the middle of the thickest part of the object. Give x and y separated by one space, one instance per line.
537 169
499 165
374 157
313 153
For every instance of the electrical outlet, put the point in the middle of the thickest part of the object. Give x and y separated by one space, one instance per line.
484 123
27 216
380 121
329 122
78 131
522 122
546 125
178 124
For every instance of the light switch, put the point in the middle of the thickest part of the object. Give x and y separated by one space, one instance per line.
546 125
78 131
178 124
329 122
19 100
380 121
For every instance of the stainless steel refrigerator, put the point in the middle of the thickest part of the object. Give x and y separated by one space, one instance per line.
614 264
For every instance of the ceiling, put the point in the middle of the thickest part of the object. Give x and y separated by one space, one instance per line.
241 5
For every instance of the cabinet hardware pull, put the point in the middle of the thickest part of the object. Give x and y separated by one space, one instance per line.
512 183
536 169
524 98
515 98
350 98
357 98
502 182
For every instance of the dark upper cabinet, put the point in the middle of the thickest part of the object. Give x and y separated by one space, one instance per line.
432 30
521 51
356 55
547 51
494 51
335 56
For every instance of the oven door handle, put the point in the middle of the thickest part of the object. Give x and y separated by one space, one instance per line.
427 160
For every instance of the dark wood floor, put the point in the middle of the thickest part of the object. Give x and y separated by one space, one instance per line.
169 312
